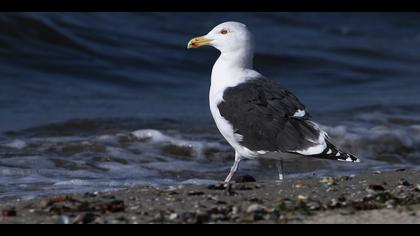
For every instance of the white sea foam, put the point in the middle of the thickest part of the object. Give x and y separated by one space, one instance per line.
390 143
67 164
73 182
154 135
15 144
158 137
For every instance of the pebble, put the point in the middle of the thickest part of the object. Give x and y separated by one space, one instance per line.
334 203
195 193
376 188
116 206
313 206
173 216
235 210
298 185
9 213
331 189
329 181
202 217
302 197
255 208
63 220
404 182
85 218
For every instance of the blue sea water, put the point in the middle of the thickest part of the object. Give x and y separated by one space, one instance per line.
101 101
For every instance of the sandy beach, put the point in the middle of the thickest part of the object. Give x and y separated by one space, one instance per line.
392 197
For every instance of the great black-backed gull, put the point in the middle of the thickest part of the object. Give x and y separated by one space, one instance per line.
257 117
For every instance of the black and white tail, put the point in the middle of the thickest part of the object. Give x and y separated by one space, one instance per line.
332 153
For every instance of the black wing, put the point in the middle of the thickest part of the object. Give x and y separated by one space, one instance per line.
264 113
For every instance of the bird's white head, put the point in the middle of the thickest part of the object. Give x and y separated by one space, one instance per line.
228 37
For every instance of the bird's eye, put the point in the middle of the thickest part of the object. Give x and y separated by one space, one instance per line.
223 31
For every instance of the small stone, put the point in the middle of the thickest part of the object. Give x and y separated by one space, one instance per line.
417 189
51 201
63 220
302 197
9 213
173 216
313 206
383 197
235 210
255 208
195 193
85 218
404 182
159 217
342 199
331 189
390 203
328 181
334 203
115 206
376 188
345 178
298 185
202 217
377 172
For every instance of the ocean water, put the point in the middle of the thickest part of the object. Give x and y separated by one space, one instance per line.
103 101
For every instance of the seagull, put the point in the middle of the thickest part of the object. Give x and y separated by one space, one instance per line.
259 118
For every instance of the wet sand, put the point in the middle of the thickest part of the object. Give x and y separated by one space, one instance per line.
392 197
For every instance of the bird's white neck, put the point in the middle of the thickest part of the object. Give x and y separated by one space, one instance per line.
230 69
240 59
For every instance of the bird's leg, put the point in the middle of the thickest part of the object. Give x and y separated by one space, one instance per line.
280 168
234 168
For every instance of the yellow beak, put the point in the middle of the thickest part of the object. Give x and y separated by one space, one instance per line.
198 42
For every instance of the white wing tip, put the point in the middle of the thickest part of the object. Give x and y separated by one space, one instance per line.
349 159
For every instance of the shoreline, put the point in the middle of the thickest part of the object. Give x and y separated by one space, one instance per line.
390 197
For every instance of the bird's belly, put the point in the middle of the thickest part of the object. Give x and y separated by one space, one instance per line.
225 128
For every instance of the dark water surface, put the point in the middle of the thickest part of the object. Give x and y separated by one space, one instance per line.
100 101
